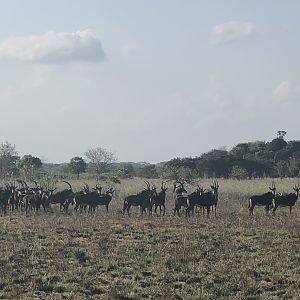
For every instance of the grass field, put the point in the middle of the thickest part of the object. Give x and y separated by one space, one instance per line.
108 256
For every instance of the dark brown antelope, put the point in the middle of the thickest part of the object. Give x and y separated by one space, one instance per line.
85 198
179 199
194 200
287 200
63 198
159 199
105 199
215 194
202 199
142 199
6 199
265 200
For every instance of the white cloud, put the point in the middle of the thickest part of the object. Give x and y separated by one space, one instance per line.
286 91
232 31
53 48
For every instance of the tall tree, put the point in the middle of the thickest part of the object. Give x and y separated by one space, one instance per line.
77 165
29 165
99 158
8 158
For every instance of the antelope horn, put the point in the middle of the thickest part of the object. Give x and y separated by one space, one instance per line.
147 183
67 184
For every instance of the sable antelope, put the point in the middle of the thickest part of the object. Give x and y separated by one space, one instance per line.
141 199
63 198
103 199
202 199
265 200
22 191
47 192
6 198
84 200
215 193
159 199
180 200
287 200
81 198
195 199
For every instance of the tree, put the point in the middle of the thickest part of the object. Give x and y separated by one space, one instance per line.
125 170
29 165
148 171
8 158
281 168
77 165
239 151
215 163
99 158
281 134
277 144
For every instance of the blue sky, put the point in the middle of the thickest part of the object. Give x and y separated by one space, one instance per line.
149 80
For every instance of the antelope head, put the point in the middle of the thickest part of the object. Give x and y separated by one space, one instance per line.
273 188
296 188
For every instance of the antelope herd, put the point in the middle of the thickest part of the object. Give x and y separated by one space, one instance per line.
21 197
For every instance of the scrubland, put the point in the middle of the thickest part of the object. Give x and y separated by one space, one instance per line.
231 255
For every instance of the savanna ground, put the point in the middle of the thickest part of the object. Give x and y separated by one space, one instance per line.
108 256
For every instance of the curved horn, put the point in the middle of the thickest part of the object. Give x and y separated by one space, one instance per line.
148 184
67 184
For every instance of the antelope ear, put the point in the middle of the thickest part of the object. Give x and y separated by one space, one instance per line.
212 186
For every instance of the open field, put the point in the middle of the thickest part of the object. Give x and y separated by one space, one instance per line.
108 256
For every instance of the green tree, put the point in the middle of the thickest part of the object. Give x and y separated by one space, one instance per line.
239 151
215 163
29 165
282 168
8 159
77 165
148 171
294 167
277 144
125 170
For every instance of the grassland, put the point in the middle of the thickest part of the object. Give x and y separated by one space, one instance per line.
108 256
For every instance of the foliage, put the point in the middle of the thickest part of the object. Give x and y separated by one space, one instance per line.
147 171
77 165
28 165
258 159
215 163
239 173
125 170
8 159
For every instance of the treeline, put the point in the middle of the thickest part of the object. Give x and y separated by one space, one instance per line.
276 158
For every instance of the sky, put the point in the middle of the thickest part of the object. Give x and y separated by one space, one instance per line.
148 80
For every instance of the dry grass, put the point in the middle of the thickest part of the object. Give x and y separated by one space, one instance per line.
108 256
